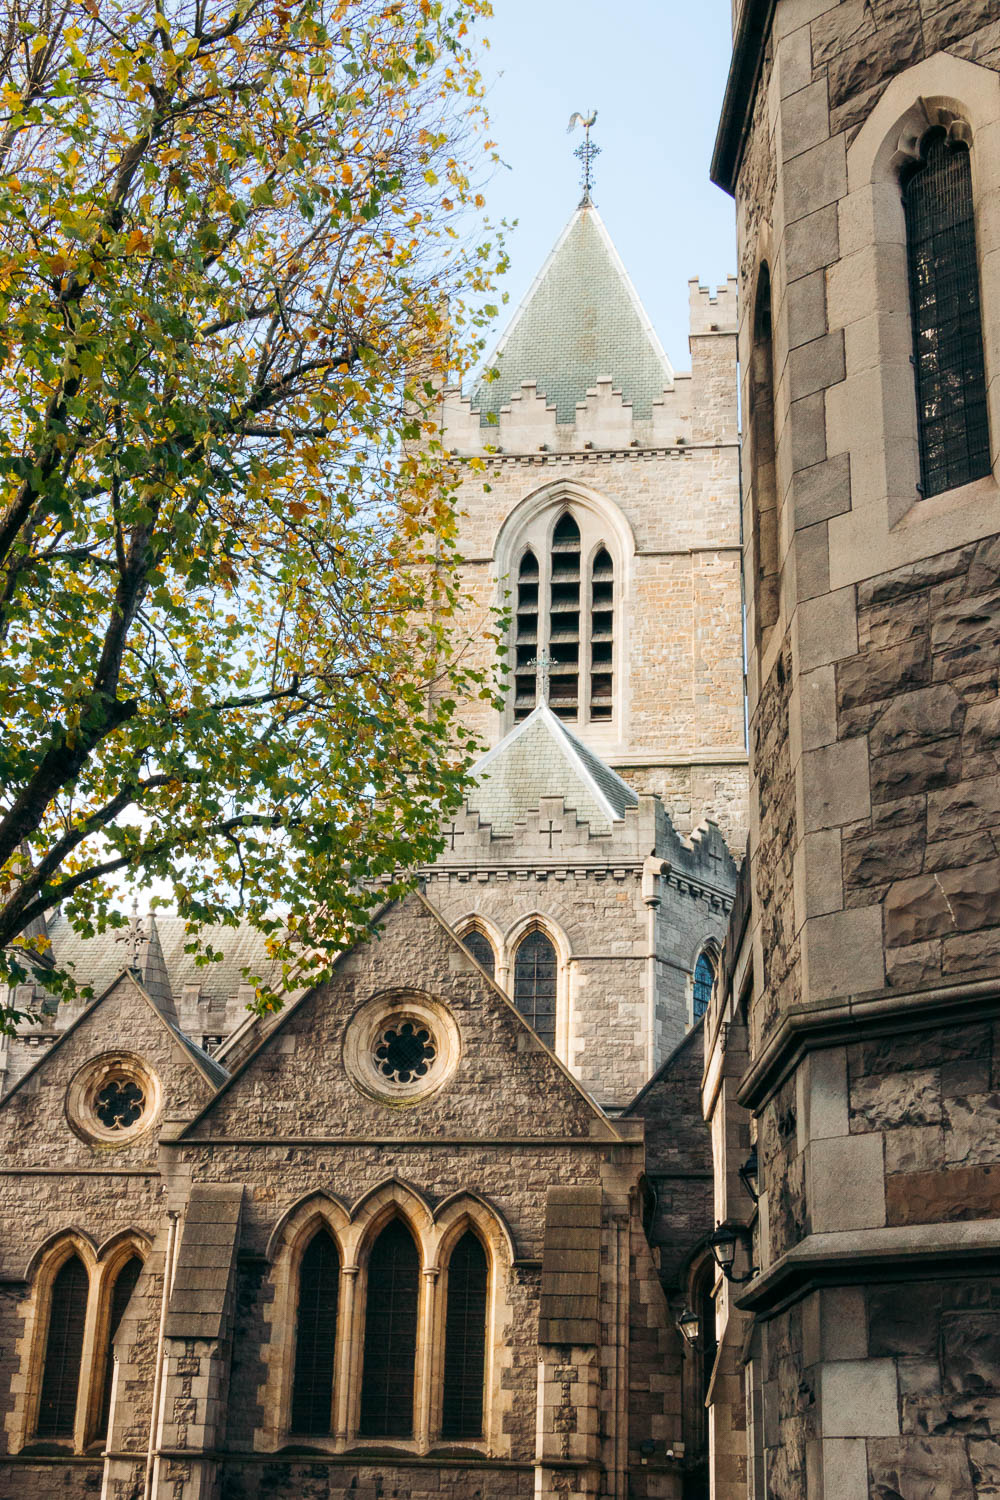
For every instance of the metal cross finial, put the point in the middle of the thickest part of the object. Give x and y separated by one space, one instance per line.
587 152
543 671
133 936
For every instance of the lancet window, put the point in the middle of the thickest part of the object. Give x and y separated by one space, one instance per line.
315 1336
63 1350
465 1340
535 984
390 1334
704 978
479 945
945 308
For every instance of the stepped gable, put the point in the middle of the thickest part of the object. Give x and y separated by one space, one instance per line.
581 322
541 758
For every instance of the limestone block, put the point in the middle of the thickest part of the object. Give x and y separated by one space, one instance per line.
917 718
912 771
972 1128
805 119
846 1185
806 433
818 884
814 179
814 366
835 784
940 1195
879 674
885 1101
825 630
845 1469
844 1320
822 491
942 903
811 243
821 1096
858 1398
812 562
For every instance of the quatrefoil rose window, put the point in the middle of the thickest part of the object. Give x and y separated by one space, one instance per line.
112 1099
400 1047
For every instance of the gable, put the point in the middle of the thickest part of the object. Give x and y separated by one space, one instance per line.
499 1080
33 1117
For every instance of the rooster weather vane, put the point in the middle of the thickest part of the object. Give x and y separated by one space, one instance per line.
586 152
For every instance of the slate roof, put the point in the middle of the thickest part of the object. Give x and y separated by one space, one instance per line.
541 758
581 320
98 960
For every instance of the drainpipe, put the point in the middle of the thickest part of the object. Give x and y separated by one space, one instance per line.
653 871
154 1419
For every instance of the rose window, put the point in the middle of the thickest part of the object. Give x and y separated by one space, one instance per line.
404 1052
119 1104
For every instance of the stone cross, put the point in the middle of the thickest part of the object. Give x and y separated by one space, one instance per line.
550 831
543 672
453 833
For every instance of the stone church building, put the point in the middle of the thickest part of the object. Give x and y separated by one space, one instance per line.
427 1232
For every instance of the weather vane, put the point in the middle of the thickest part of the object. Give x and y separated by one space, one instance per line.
587 151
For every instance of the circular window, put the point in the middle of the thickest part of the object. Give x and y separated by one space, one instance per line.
113 1098
401 1046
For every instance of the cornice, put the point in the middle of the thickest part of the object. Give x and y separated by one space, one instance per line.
829 1023
749 43
846 1257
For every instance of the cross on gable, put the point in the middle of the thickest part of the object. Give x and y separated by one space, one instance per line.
133 937
550 831
453 833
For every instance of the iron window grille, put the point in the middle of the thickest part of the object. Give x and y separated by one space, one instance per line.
535 971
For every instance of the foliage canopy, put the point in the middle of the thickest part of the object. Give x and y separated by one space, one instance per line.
229 234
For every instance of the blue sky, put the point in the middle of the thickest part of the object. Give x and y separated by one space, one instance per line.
655 71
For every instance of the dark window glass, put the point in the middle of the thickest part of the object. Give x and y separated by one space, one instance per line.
564 620
481 949
526 641
123 1288
535 985
315 1336
763 480
947 328
704 978
390 1334
465 1340
63 1350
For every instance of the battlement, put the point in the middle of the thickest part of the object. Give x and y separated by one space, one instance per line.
713 312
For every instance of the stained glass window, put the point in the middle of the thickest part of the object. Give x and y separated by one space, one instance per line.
63 1351
704 978
535 985
465 1340
947 326
315 1336
481 949
390 1334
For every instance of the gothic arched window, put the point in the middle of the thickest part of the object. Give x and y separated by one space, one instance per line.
63 1351
526 642
315 1336
479 945
465 1340
121 1292
947 325
535 980
390 1334
565 616
704 978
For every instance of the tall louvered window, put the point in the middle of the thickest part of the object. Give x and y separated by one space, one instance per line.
479 945
465 1340
602 634
63 1351
564 619
315 1336
124 1286
704 978
535 978
947 325
390 1334
526 643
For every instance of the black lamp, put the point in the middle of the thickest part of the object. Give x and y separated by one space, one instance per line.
690 1326
723 1244
748 1175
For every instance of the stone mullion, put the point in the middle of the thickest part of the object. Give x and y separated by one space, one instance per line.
348 1360
425 1357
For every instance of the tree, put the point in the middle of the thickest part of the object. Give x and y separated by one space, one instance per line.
229 234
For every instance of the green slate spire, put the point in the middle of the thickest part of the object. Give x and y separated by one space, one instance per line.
581 320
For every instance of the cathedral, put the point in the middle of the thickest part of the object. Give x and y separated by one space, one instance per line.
429 1231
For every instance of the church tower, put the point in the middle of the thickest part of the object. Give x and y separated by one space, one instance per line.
609 522
591 871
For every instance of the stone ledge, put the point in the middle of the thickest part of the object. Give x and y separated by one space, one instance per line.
844 1257
832 1023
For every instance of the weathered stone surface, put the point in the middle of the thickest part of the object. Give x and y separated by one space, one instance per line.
984 570
982 729
904 1325
918 1468
976 954
885 1101
966 807
879 674
909 772
945 854
913 966
883 625
912 1148
938 904
984 1461
872 858
965 628
972 1128
920 1049
919 575
971 1352
919 718
942 1196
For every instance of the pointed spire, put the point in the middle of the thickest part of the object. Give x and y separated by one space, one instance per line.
144 958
